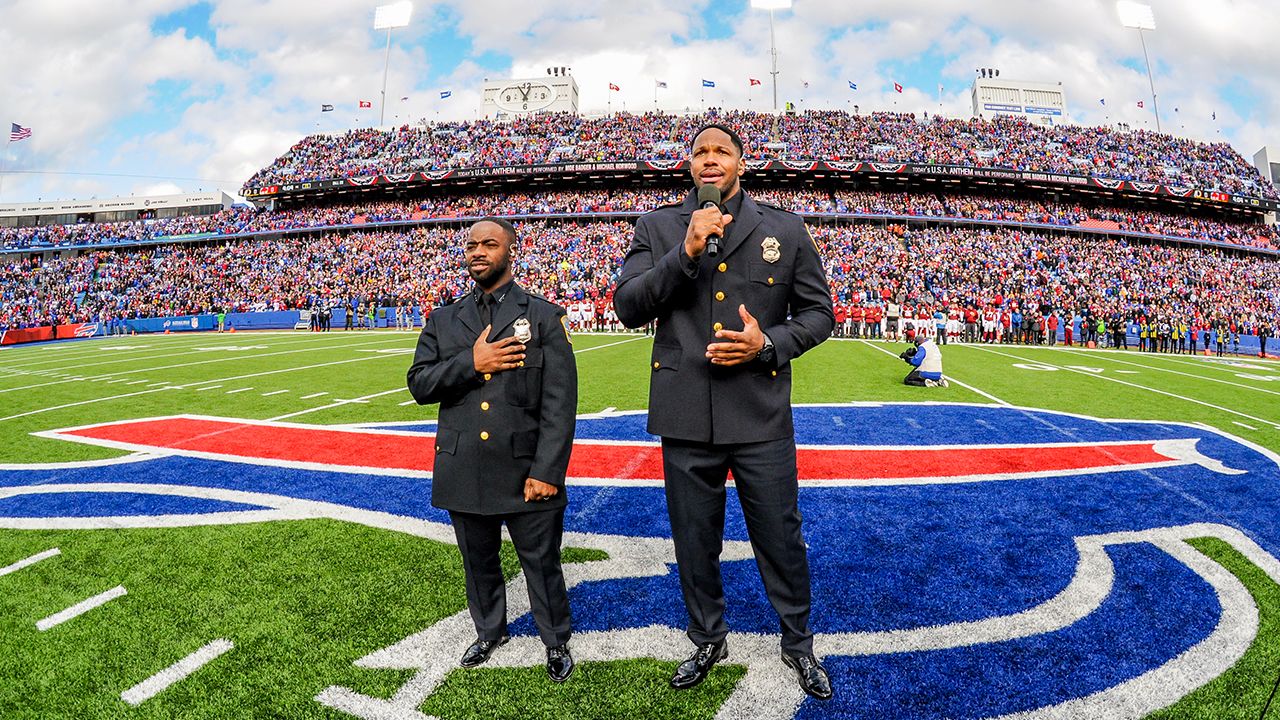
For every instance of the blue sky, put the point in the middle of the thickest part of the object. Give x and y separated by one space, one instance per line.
154 96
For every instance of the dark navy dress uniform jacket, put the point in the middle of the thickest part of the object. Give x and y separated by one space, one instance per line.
496 431
768 262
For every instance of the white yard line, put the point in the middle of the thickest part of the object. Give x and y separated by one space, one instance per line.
208 387
114 356
314 395
135 382
233 358
176 672
338 403
166 382
1134 385
28 562
408 402
607 345
187 386
1186 374
365 399
1246 427
950 378
233 392
273 392
81 608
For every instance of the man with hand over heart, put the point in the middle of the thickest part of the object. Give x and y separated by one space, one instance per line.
738 291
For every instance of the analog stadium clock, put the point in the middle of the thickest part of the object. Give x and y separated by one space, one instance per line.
525 96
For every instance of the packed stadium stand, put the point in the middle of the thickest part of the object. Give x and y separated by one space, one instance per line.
929 214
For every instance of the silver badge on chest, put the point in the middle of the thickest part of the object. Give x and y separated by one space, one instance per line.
771 250
523 331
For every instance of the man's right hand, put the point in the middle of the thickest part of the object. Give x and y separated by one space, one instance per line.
493 357
704 223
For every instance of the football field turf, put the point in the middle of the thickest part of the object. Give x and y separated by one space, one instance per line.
293 615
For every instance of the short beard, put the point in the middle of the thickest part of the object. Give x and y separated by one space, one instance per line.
486 278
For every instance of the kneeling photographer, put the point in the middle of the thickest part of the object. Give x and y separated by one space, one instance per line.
926 361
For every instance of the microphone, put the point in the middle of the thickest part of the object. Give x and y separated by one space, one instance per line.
709 197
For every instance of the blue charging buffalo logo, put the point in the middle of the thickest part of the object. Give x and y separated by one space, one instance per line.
967 560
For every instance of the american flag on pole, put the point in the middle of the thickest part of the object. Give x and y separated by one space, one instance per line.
17 132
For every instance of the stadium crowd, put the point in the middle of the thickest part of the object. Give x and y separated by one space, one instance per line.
929 205
1009 143
1030 283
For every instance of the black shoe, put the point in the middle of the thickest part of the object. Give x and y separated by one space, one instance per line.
480 650
559 663
694 670
812 676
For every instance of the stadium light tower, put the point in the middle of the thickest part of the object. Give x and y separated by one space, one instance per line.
389 17
772 5
1139 16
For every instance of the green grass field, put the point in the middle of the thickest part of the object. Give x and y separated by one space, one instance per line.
305 599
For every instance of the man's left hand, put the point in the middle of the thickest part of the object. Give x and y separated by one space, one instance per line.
536 490
737 348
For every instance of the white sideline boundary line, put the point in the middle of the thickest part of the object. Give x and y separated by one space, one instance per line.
950 378
81 608
1135 385
28 562
176 672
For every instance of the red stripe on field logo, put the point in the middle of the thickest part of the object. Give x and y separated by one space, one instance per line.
354 449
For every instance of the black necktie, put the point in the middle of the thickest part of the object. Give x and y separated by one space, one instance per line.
486 309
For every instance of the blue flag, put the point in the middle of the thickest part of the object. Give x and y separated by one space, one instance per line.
708 83
853 85
445 94
1103 101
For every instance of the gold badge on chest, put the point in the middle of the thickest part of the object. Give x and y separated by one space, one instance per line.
770 250
523 331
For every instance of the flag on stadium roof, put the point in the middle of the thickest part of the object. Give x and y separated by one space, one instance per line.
853 85
326 108
446 94
614 87
366 104
660 83
752 82
898 87
406 97
806 84
17 132
1141 104
1103 101
708 83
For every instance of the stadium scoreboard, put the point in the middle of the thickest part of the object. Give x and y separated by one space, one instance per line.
512 97
1042 103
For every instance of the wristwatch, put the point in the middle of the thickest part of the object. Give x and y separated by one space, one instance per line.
767 354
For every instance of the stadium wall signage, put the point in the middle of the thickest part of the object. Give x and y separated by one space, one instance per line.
806 166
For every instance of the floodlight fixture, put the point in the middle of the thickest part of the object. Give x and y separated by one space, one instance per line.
771 6
1139 16
396 15
1136 15
389 17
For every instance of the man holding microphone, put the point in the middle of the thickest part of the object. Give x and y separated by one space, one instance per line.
738 292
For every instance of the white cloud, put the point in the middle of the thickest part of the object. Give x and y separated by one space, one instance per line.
79 71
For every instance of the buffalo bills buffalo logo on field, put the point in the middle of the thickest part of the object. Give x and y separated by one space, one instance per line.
968 561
